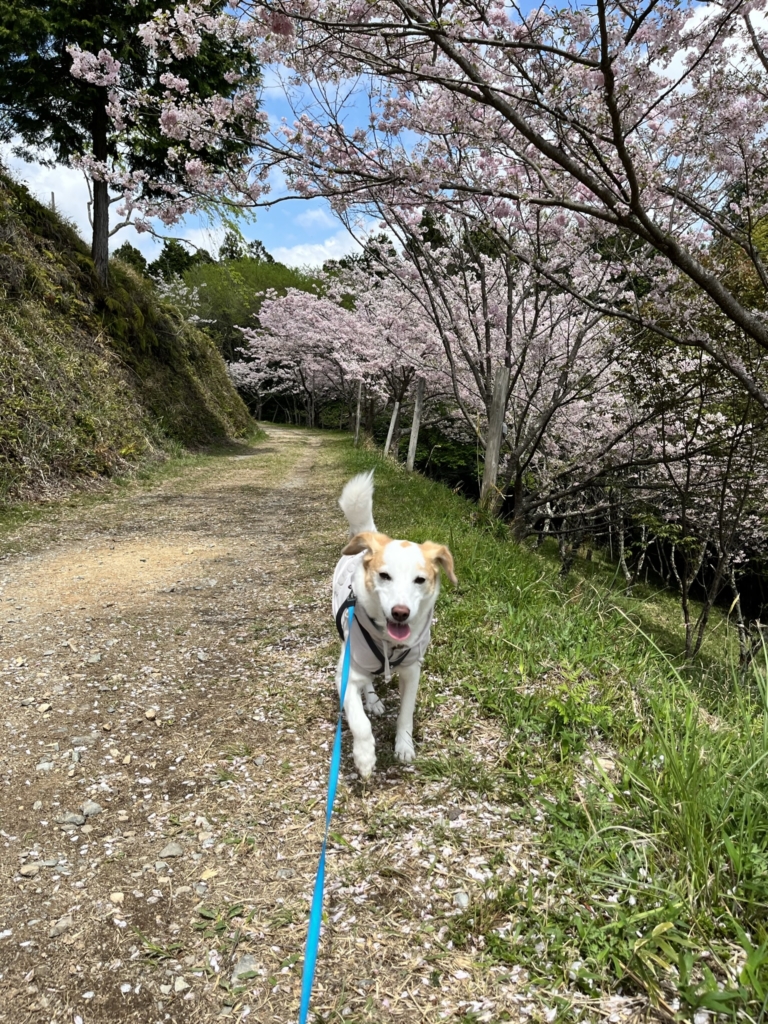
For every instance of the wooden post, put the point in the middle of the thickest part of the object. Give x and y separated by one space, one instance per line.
391 431
415 425
357 411
489 496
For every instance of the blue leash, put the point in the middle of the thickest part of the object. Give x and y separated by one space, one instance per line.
316 911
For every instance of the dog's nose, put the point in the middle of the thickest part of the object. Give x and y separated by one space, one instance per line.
400 612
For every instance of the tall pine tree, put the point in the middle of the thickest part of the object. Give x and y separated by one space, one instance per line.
53 117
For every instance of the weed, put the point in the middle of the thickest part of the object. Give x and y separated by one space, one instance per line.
282 918
466 774
238 750
242 843
216 923
157 952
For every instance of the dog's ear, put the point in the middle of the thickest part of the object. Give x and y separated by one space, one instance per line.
367 541
440 554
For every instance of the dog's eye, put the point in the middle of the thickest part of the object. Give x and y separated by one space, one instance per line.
420 579
384 576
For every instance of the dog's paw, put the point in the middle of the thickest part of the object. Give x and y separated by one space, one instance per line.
365 759
374 706
404 749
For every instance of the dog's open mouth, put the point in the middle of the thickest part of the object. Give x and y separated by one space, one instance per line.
398 630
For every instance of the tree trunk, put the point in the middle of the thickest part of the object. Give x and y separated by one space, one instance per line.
644 545
685 580
547 524
392 425
100 240
620 528
681 579
489 495
712 593
358 411
744 651
569 551
519 525
100 245
415 426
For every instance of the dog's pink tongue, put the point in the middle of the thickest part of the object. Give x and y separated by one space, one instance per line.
398 630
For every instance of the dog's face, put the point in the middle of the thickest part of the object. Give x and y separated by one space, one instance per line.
402 580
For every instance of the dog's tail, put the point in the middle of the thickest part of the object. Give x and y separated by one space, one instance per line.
356 503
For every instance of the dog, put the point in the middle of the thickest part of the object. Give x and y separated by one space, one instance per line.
393 585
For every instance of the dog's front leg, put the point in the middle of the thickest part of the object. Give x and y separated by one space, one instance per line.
409 687
363 744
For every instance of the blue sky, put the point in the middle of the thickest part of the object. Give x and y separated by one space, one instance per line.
296 232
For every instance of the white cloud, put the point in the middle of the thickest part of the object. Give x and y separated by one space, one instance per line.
208 237
67 188
65 184
313 254
316 218
274 225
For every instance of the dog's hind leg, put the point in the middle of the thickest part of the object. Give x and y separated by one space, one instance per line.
373 705
409 687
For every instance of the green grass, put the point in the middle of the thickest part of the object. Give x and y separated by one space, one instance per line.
657 876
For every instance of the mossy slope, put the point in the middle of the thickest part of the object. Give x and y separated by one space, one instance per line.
92 382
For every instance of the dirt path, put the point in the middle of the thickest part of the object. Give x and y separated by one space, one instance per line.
166 667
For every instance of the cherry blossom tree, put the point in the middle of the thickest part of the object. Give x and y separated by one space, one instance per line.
358 328
279 362
521 354
643 121
702 500
526 371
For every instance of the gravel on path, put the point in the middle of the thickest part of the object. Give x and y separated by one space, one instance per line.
166 669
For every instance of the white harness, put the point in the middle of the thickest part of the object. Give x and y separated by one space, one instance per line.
372 649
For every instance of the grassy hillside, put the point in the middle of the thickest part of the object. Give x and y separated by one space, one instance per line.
644 780
92 382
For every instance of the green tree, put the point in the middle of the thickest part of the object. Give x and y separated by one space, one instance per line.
175 260
256 250
234 247
131 255
230 293
57 118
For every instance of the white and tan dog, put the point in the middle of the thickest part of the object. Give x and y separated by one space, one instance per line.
394 584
